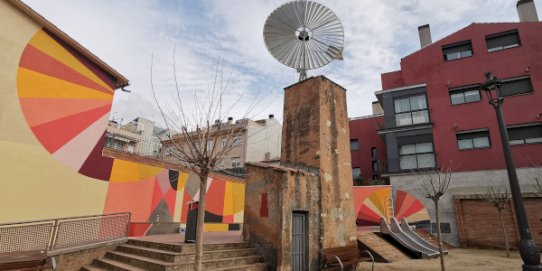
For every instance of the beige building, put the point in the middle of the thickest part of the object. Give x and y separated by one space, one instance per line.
139 136
252 141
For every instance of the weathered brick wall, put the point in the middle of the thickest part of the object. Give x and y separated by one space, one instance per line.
75 260
479 224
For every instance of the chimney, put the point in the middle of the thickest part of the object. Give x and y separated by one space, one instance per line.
527 11
271 116
425 35
230 120
377 109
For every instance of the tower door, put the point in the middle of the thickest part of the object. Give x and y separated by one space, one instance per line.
299 241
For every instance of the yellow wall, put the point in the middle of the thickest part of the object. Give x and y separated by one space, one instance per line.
33 185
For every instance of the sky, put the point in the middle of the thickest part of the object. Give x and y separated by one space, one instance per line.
227 35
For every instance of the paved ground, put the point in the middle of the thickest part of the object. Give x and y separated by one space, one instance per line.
456 260
208 237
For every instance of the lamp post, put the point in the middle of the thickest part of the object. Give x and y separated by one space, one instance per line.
529 251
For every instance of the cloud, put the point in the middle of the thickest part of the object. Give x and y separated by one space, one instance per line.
126 33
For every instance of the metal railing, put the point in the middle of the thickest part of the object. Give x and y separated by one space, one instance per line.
409 163
403 120
63 233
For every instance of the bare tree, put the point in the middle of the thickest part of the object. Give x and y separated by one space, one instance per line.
499 197
196 145
433 185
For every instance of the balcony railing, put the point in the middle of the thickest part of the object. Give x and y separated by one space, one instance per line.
408 163
404 120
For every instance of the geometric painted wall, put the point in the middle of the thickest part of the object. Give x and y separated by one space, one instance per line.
63 100
409 207
66 103
373 202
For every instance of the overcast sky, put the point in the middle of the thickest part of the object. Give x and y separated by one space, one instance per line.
126 33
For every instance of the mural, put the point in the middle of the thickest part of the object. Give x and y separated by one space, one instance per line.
409 207
66 102
371 203
155 195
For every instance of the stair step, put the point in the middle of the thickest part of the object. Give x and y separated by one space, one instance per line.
249 267
185 248
229 262
114 265
92 268
142 262
177 257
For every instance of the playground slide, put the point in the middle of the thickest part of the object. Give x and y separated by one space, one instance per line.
406 228
405 240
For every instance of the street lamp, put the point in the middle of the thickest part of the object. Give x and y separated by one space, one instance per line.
529 251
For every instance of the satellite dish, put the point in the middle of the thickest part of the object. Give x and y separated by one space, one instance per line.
304 35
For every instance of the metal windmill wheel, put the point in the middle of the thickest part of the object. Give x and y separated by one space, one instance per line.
304 35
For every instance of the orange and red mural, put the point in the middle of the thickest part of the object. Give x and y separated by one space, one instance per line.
66 101
374 202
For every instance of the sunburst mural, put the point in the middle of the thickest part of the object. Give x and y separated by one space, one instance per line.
371 203
409 207
66 102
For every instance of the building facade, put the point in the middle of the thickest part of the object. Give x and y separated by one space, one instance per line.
435 115
250 141
368 148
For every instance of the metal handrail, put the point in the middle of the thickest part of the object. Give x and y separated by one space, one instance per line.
63 233
64 218
372 258
340 262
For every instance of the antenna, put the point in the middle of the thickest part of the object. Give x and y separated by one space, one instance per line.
304 35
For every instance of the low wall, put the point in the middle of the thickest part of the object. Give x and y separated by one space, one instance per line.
76 259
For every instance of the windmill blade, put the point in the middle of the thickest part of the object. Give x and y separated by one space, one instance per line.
304 35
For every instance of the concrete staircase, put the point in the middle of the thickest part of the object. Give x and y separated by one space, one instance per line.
138 255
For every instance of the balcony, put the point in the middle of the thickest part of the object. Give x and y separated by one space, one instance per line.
408 163
408 120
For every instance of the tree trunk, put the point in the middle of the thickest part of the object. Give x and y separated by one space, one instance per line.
505 235
439 240
201 216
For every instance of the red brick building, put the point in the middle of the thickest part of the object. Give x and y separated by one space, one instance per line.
435 115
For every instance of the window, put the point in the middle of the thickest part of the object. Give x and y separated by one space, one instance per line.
411 110
210 144
356 173
236 141
375 167
236 162
463 95
516 86
374 154
525 134
501 41
354 145
224 142
457 50
418 155
473 139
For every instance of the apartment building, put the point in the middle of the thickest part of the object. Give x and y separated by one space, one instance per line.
435 116
252 141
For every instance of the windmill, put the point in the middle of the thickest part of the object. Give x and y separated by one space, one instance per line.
304 35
